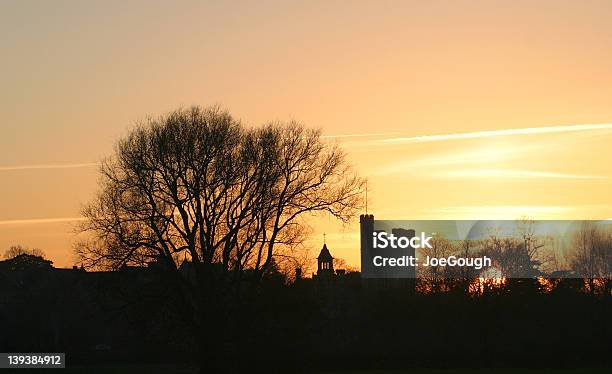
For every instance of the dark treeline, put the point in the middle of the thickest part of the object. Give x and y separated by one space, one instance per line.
132 315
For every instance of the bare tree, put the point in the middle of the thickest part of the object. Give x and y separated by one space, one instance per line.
199 186
514 257
18 258
341 264
591 257
17 250
434 278
532 244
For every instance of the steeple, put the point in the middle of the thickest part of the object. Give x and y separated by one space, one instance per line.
325 262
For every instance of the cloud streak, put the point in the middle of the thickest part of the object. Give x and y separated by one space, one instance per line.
499 212
512 174
366 135
48 166
35 221
496 133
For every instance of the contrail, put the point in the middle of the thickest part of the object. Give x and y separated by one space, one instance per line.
494 133
56 166
40 220
502 173
358 135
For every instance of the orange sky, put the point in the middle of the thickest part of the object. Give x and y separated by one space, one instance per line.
75 76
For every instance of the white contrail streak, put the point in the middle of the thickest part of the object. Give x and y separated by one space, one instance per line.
502 173
55 166
35 221
493 133
358 135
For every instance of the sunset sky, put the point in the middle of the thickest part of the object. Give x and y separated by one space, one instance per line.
472 110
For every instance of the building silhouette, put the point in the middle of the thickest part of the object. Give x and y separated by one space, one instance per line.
366 225
375 280
325 267
325 263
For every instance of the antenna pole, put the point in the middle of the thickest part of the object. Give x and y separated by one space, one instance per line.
366 191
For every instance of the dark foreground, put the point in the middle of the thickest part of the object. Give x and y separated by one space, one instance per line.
344 324
142 369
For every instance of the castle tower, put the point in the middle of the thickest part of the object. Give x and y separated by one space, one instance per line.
366 222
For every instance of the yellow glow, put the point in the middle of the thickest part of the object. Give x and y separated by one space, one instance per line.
451 111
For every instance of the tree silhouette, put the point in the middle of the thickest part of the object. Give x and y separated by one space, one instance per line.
591 257
198 186
24 262
18 249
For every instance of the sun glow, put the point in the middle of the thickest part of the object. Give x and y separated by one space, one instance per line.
490 279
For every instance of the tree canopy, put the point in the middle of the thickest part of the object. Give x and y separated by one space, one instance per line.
197 184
